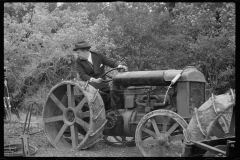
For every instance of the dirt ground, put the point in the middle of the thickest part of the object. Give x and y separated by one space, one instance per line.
13 131
38 139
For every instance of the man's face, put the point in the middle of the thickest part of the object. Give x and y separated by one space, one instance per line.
83 53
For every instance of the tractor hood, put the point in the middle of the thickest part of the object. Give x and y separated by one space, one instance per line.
156 77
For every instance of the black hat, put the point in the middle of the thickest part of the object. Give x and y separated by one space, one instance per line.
82 45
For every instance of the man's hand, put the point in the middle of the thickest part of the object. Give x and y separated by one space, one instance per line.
98 80
124 67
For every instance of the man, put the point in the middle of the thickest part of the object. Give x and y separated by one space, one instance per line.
90 66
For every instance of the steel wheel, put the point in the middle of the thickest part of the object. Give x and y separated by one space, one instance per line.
161 133
119 141
216 130
71 121
208 121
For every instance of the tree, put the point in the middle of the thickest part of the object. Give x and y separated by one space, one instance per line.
212 47
39 37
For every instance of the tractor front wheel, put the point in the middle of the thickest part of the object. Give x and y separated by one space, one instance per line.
161 133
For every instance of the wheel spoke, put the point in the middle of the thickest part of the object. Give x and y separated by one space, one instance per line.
74 134
85 114
155 126
71 98
226 125
165 122
149 132
83 124
178 137
80 105
164 127
58 103
64 127
53 119
172 129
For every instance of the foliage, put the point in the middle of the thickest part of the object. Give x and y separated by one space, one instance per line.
39 37
212 47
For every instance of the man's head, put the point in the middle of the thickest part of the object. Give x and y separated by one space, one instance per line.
82 49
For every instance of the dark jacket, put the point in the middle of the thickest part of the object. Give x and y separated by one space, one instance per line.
86 71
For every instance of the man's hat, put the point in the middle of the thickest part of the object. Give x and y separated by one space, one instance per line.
82 45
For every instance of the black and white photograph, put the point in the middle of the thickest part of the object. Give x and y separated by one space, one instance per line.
119 79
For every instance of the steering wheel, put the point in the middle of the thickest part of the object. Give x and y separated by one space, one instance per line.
105 74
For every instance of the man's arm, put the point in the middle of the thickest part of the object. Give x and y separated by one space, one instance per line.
107 61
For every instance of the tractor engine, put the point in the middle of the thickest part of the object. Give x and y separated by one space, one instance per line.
140 92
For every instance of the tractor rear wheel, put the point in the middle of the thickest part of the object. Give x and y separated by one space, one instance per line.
73 115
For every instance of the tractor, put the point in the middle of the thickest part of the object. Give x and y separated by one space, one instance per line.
156 108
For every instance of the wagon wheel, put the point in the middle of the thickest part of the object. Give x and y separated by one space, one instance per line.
161 133
215 129
73 121
119 141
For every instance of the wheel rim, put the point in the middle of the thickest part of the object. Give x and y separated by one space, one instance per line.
69 119
155 139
